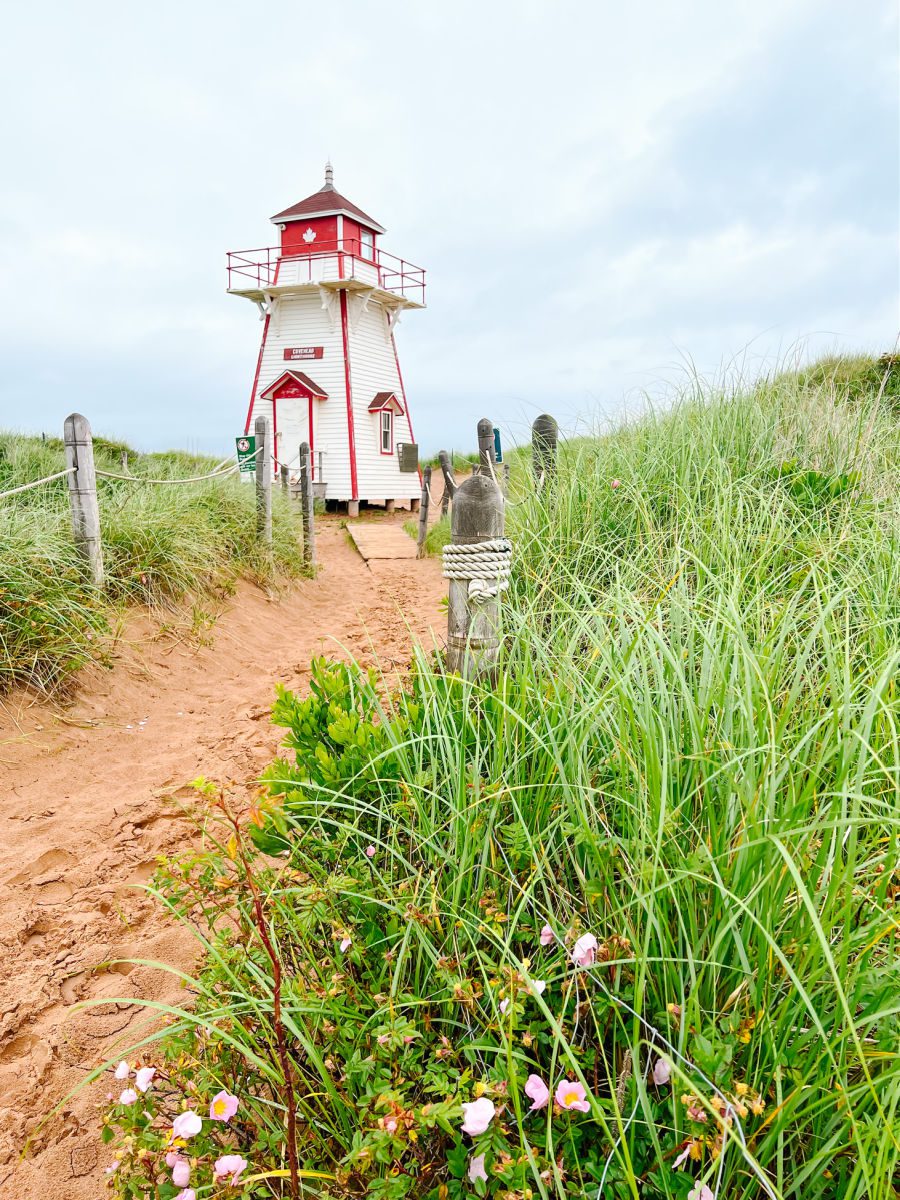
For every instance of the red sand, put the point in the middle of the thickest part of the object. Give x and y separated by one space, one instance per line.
94 791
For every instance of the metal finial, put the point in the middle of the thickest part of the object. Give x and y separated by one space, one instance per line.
329 175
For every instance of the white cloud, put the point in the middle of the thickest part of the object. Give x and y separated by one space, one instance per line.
551 164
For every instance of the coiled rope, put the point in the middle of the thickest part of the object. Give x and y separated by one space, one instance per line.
485 565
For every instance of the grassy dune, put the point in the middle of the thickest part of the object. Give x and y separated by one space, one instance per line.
677 811
160 545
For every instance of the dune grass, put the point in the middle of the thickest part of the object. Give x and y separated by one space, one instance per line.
160 545
691 759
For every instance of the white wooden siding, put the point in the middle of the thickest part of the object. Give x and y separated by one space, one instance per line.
300 320
374 370
325 267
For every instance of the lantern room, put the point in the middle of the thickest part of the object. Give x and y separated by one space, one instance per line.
326 221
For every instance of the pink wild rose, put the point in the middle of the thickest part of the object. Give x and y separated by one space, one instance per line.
370 851
683 1156
128 1096
662 1072
571 1095
181 1173
477 1116
547 937
229 1165
187 1194
223 1106
476 1168
186 1125
172 1158
537 1092
701 1192
504 1005
615 483
539 986
123 1070
143 1078
346 943
584 952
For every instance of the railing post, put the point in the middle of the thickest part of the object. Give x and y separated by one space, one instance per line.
283 473
307 503
262 427
83 493
544 439
473 625
449 481
486 459
423 512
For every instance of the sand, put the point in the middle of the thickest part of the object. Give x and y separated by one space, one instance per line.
95 790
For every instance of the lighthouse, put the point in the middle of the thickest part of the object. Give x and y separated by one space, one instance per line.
327 372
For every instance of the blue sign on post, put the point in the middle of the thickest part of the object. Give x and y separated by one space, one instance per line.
498 452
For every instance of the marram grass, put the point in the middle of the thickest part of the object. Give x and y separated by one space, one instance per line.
160 545
655 867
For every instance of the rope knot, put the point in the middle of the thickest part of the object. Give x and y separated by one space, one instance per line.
484 565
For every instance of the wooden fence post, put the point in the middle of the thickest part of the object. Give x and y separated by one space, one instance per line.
544 439
473 627
307 505
283 473
262 428
505 479
83 493
486 452
423 512
449 481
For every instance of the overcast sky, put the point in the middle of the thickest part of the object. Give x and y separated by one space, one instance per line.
601 193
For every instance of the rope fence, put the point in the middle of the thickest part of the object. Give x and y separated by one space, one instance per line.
82 475
26 487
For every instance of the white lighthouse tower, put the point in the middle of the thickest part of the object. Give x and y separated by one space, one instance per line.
328 371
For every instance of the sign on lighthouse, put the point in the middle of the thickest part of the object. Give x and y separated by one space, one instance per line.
328 371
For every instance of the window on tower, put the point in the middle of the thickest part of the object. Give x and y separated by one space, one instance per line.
387 431
367 243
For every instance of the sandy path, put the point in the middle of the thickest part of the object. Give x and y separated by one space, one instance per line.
91 793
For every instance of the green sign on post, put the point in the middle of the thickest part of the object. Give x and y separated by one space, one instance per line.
246 453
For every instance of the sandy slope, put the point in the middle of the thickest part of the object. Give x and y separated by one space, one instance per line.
94 791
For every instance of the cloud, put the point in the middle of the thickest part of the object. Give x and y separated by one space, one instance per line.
596 190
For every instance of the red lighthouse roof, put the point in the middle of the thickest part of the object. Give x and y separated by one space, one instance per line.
324 203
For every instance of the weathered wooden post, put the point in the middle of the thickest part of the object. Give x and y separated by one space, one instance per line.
124 460
83 493
544 439
449 481
476 564
487 461
307 505
423 512
283 473
505 479
262 428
